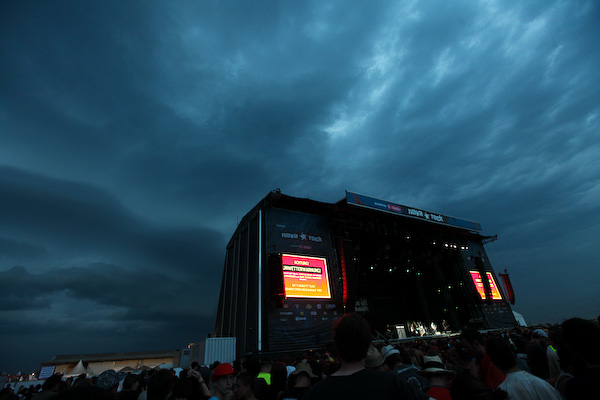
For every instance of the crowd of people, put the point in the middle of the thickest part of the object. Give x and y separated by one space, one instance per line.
561 362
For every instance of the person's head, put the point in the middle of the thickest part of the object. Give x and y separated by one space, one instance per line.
52 384
159 385
519 343
252 365
244 385
374 359
223 378
391 356
131 382
278 375
302 376
539 336
435 370
582 338
265 365
195 366
352 336
182 388
501 353
473 342
316 365
237 366
555 336
404 356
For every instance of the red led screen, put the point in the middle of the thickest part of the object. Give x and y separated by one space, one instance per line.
305 277
481 289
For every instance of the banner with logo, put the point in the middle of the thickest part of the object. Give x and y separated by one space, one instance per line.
411 212
295 232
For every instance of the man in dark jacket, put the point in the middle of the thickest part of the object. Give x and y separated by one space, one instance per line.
352 337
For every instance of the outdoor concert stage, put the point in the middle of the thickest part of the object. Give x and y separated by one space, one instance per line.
295 265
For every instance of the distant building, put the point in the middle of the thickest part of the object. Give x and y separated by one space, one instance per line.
95 364
294 265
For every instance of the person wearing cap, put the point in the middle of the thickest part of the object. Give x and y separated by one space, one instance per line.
352 337
300 382
222 381
375 360
536 354
404 370
439 377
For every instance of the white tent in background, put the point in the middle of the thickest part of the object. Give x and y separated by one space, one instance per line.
78 370
519 318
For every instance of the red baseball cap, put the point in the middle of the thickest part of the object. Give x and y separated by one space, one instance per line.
222 370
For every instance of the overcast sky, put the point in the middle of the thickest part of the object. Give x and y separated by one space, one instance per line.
134 136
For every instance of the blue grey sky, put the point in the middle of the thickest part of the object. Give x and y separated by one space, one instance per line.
134 135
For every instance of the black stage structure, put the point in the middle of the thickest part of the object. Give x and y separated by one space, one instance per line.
294 265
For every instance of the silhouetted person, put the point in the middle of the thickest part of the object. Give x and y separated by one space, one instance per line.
130 391
536 354
300 381
50 388
244 386
352 337
223 381
403 368
473 343
518 384
582 338
439 377
159 385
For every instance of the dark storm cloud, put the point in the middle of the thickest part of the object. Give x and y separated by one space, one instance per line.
11 249
99 306
169 299
169 87
82 219
134 135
